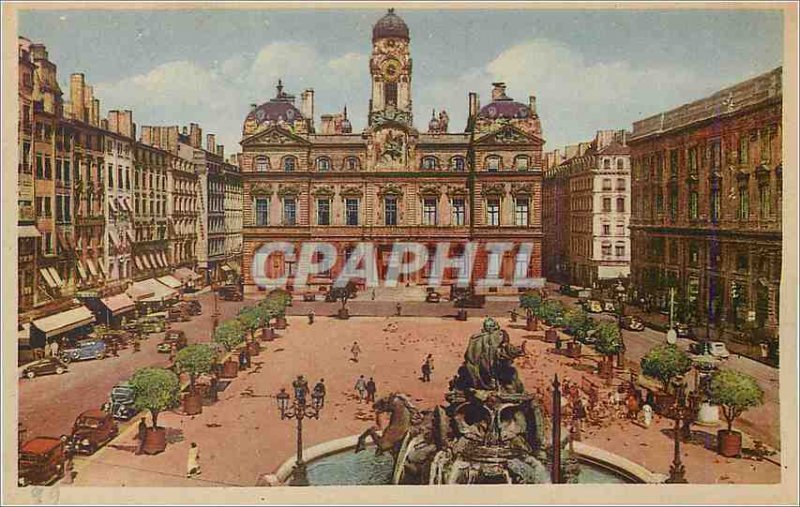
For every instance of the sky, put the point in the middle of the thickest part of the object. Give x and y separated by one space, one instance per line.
590 69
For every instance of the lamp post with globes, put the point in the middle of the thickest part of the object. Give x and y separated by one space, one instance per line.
680 412
298 409
620 290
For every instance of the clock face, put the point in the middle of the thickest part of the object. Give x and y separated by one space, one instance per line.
390 70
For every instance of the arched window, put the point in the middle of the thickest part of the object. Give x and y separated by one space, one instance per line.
620 164
289 164
607 164
522 162
457 164
323 164
492 163
262 164
430 163
351 164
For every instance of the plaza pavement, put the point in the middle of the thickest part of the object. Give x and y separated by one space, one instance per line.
242 437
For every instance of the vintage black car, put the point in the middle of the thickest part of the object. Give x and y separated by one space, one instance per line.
92 430
683 330
120 403
173 336
46 366
41 461
432 297
230 293
632 323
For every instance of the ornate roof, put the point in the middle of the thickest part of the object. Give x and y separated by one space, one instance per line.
390 25
504 108
279 108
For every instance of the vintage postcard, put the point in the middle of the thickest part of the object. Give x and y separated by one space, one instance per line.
349 253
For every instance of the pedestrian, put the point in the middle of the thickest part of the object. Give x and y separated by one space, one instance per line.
578 414
54 348
140 435
371 389
514 315
373 294
650 398
647 412
300 386
764 350
242 360
427 369
355 350
193 461
311 316
398 309
69 466
319 391
361 388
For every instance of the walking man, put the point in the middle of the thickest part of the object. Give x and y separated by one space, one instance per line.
140 434
319 390
427 368
310 316
361 388
647 410
371 389
193 461
355 350
398 309
54 348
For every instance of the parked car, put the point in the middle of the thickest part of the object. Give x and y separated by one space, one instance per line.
120 403
716 349
41 461
153 323
230 293
178 313
568 290
632 323
433 297
173 336
194 306
46 366
593 306
684 331
84 349
92 430
609 307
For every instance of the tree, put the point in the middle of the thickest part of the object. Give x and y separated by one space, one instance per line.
251 318
552 311
530 301
735 392
195 360
156 390
229 334
608 339
577 322
664 363
279 299
343 293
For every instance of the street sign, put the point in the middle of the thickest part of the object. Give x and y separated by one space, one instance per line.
672 337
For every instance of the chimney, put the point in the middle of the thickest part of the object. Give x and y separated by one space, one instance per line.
307 104
498 91
77 87
113 122
39 52
104 124
211 143
172 138
326 124
221 151
95 112
473 104
126 127
88 98
147 132
532 105
195 135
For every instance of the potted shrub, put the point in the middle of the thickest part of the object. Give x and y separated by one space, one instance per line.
267 310
194 360
664 363
551 312
156 390
343 293
577 322
279 299
608 343
250 318
734 392
531 301
229 334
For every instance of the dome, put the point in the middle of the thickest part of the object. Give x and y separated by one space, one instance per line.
390 25
280 108
504 109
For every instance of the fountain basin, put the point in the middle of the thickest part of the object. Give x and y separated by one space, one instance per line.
334 463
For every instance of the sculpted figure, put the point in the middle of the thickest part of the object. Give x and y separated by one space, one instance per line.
488 361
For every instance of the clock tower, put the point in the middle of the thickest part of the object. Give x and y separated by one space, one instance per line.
390 70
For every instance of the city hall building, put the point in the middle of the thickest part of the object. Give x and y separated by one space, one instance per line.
391 183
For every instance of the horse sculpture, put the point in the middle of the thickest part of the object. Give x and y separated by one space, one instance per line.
402 416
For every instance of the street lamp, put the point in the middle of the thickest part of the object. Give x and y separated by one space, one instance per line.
620 316
299 410
679 412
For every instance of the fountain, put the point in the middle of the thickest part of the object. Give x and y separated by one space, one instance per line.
492 431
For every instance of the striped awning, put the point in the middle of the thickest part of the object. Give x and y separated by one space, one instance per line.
112 204
164 261
92 267
65 321
48 278
81 270
102 267
112 234
153 261
130 235
146 262
56 276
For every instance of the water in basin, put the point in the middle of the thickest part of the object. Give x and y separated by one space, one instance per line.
347 468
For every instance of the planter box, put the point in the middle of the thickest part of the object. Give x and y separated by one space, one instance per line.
551 336
461 315
664 403
573 350
253 348
280 322
532 324
343 313
230 369
729 443
267 334
155 441
192 403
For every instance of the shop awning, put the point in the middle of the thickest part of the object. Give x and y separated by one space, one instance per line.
127 203
160 291
138 262
112 234
102 267
48 278
138 291
65 321
146 262
28 231
56 277
81 270
170 281
164 261
153 261
92 267
119 304
112 204
186 274
130 235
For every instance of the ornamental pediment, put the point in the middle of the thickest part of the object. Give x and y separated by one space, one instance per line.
493 189
261 189
508 135
288 190
522 189
351 191
457 190
323 191
430 190
272 136
390 189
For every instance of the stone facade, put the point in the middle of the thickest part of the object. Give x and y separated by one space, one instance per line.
391 183
707 194
587 196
